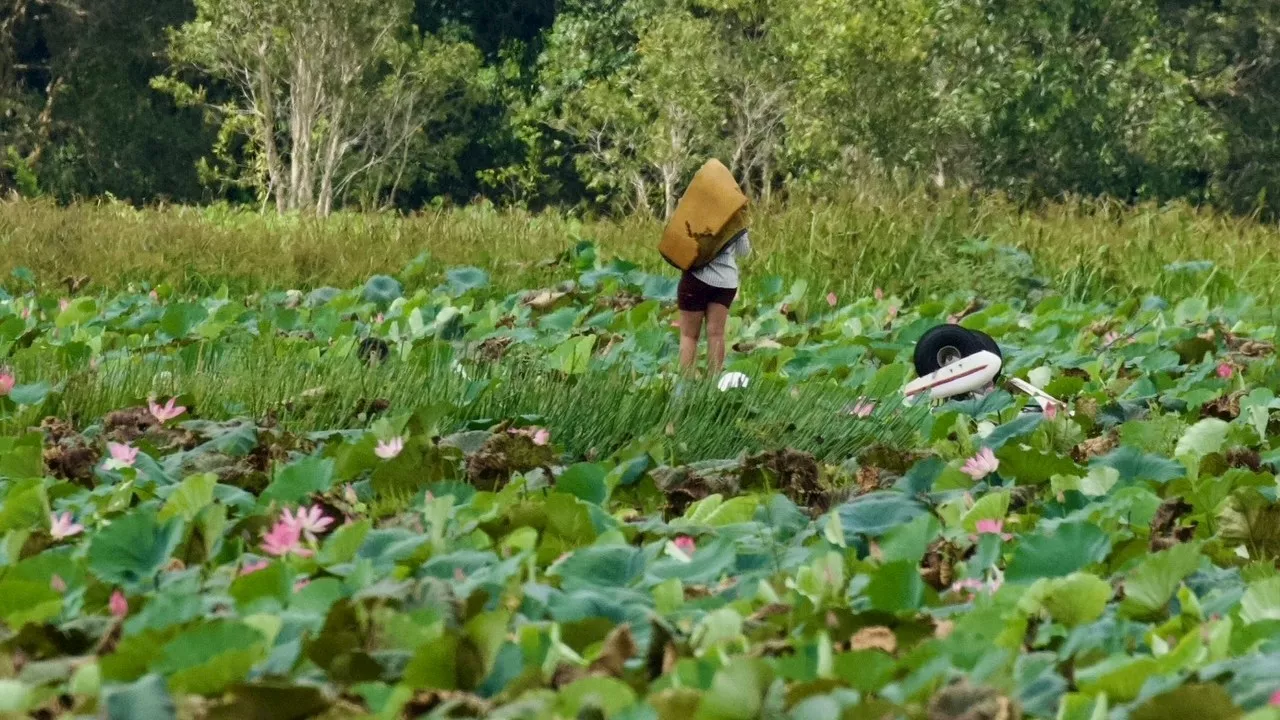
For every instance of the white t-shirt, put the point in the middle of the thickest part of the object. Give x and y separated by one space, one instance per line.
722 272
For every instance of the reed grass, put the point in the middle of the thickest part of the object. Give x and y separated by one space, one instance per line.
910 243
590 415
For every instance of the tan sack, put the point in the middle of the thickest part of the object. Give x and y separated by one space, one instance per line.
710 214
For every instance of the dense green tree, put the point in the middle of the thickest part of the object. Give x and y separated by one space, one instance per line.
1235 46
610 105
1072 96
865 100
74 101
329 95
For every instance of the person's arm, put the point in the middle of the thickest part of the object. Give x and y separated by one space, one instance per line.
744 245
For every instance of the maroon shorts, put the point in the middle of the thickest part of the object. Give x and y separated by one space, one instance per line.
693 295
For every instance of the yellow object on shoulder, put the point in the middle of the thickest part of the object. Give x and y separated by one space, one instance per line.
711 213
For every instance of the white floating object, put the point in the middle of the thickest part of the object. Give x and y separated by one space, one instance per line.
1042 398
733 380
968 374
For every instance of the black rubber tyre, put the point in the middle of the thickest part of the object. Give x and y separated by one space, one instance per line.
944 345
990 346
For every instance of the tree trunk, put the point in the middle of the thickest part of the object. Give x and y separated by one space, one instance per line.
670 174
305 100
766 182
642 193
333 154
268 129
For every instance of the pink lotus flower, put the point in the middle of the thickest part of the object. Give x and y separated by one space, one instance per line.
253 567
862 408
122 456
878 294
1051 410
686 545
1275 699
63 526
389 448
58 584
993 527
975 587
893 311
6 383
284 539
166 412
154 295
1111 337
981 465
118 605
308 521
832 299
1225 371
539 436
63 304
299 584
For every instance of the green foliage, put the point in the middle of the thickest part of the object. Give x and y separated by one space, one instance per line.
320 104
526 511
132 550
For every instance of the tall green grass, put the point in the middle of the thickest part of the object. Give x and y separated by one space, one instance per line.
591 414
911 243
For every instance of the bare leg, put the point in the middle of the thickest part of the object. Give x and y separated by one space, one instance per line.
717 318
690 329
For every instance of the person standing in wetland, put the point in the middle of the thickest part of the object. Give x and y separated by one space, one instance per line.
704 296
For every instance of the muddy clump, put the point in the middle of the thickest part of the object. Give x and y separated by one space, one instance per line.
962 701
686 485
1087 408
130 425
274 449
793 473
366 409
622 302
494 349
236 472
869 479
1021 497
1165 529
1094 447
74 462
1245 458
462 704
1225 408
56 429
67 454
890 460
503 455
937 568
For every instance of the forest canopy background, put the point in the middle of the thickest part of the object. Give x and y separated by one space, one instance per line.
317 105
